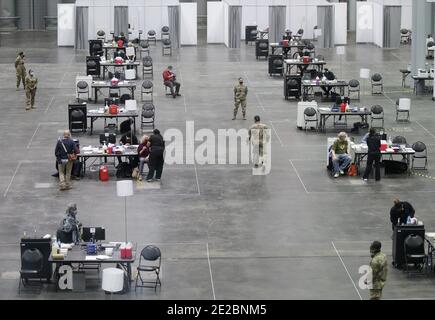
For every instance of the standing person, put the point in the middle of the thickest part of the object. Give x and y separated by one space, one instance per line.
31 86
69 229
143 153
379 269
169 80
340 154
240 93
65 153
374 155
400 212
20 70
156 146
259 136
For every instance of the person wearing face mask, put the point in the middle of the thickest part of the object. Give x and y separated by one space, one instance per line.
379 269
31 86
240 93
20 70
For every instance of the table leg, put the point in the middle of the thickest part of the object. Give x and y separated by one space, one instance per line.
134 125
92 124
96 95
132 93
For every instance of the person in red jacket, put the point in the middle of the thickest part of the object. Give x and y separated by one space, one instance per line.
170 81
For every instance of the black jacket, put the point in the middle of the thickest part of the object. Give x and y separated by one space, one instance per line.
157 143
129 138
401 211
374 144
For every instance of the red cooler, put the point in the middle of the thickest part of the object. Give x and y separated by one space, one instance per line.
104 173
113 109
306 59
384 145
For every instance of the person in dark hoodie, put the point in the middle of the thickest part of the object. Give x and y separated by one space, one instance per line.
374 155
156 146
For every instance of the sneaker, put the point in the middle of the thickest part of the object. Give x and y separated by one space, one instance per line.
158 180
256 165
178 95
139 178
33 107
244 118
174 96
341 172
365 179
17 89
28 108
336 175
233 118
149 180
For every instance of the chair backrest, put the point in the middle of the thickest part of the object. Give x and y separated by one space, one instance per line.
82 85
300 32
129 51
148 106
404 104
354 83
165 29
150 253
376 77
430 44
101 33
144 44
399 140
414 244
151 33
166 42
419 146
130 105
292 83
310 112
320 57
117 75
147 84
310 46
263 45
377 109
32 260
277 62
124 98
91 64
404 31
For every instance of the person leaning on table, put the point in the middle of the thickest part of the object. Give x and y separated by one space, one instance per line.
340 154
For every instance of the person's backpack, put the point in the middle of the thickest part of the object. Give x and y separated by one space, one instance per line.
124 170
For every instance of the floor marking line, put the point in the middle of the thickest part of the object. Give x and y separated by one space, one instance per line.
297 173
197 181
383 93
12 179
428 132
49 105
279 139
347 271
211 274
34 134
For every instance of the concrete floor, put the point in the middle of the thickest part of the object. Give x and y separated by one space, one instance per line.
224 233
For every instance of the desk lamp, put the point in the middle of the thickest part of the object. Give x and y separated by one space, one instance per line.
124 189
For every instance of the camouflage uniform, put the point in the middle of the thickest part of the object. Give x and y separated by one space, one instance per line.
31 86
258 135
20 70
379 267
240 93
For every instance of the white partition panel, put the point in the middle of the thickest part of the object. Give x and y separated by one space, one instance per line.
188 32
65 24
340 17
364 22
153 20
378 24
100 18
215 22
249 18
226 23
262 17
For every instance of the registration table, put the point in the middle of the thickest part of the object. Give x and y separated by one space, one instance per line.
360 152
299 65
98 85
78 255
107 64
309 85
420 82
326 113
113 46
94 115
95 153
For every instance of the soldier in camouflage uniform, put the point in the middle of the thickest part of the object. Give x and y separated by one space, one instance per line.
240 93
20 70
259 136
31 86
379 268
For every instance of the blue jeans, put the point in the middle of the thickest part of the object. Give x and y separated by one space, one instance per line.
341 162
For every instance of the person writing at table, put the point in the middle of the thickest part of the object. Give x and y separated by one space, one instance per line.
340 154
328 75
400 212
373 155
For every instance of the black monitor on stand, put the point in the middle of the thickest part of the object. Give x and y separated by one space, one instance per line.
93 234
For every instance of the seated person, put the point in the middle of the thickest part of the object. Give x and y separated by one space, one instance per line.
169 80
125 126
287 35
128 139
328 75
69 230
120 53
400 212
340 154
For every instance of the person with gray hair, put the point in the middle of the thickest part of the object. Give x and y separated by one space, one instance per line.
66 154
69 229
169 80
340 154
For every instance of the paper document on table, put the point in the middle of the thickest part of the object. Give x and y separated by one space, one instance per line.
102 257
325 109
91 258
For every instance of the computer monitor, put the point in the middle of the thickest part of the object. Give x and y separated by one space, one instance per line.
108 138
93 234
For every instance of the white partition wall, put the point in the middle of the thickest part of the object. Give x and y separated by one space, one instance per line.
65 24
215 22
340 22
378 24
188 32
226 9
